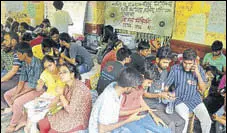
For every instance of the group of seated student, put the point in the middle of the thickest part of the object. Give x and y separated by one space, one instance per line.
215 64
26 70
134 88
185 84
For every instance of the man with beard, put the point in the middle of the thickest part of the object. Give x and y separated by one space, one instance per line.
156 92
10 64
25 90
216 58
105 112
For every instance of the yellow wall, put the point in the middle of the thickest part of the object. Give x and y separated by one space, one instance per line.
195 15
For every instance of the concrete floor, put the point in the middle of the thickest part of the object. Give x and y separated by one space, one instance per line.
5 123
197 128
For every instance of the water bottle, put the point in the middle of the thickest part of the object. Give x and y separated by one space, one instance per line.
162 89
158 91
169 107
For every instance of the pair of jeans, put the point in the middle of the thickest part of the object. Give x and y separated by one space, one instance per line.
201 113
144 125
83 68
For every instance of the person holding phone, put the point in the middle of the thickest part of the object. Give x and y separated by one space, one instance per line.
104 116
187 77
134 102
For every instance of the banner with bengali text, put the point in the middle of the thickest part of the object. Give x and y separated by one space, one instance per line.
154 17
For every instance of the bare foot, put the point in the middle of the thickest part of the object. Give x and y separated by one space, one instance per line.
10 129
26 129
20 125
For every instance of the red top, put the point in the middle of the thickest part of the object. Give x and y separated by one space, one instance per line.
111 56
131 101
36 41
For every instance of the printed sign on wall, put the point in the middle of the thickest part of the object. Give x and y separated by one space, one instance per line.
154 17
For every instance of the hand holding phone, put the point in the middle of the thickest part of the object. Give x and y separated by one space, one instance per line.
195 67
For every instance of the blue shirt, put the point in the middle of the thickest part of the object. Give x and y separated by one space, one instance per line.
31 72
185 85
17 62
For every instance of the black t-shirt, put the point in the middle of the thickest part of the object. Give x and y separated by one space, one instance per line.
109 74
137 62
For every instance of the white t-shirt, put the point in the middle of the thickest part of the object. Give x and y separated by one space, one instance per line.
106 109
60 20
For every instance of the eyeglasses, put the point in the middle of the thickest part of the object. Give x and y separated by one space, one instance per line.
63 72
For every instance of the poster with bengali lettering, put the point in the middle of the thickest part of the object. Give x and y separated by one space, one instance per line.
23 11
200 21
154 17
76 9
217 17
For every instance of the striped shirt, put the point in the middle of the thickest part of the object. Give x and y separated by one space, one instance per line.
8 60
31 72
185 85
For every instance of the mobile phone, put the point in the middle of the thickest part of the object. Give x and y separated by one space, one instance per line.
143 112
193 67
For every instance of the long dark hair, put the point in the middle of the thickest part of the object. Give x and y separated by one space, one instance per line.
72 69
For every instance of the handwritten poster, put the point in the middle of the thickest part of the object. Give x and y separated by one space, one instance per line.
14 6
196 31
154 17
31 10
22 11
190 27
76 10
217 17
